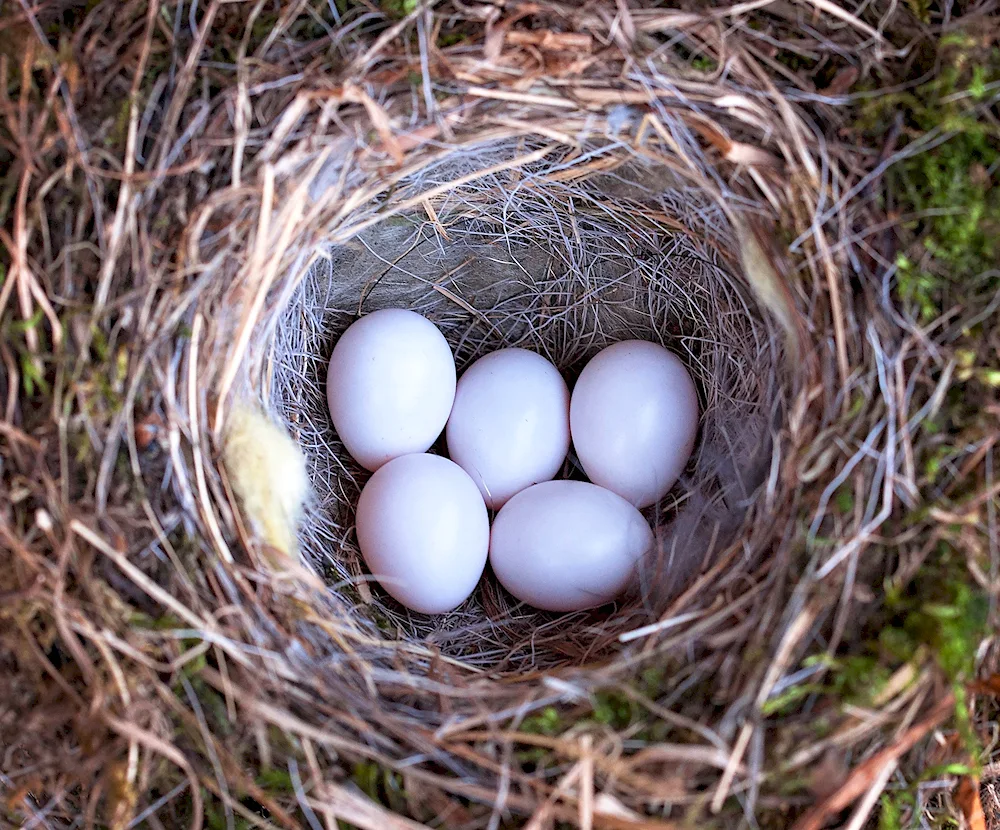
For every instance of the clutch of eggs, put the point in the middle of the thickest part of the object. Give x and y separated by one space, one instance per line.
422 520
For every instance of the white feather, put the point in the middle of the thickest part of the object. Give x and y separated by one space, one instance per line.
268 473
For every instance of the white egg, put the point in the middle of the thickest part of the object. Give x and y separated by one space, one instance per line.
424 532
567 545
634 418
390 386
509 427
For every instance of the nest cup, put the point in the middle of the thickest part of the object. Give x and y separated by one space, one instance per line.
562 250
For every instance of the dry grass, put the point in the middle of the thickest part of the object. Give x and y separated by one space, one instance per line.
178 171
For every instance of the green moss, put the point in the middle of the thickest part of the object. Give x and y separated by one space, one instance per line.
215 816
36 366
194 666
859 678
652 681
855 678
917 288
921 9
446 39
614 709
546 722
844 498
703 63
119 130
938 615
165 623
947 191
549 722
935 458
787 702
955 628
275 781
398 9
531 756
892 806
380 784
939 609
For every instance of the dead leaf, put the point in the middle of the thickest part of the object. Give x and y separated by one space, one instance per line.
608 805
122 796
828 775
842 81
968 801
747 154
735 151
979 175
988 686
760 258
552 41
148 430
379 118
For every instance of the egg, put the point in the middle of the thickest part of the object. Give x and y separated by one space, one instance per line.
390 386
567 545
634 418
509 427
424 532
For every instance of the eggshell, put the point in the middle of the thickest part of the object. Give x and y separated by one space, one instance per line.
390 386
509 427
634 419
567 545
424 531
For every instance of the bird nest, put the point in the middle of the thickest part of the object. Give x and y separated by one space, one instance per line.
553 178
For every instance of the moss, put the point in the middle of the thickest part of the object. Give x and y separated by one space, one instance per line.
891 809
119 130
897 807
614 709
397 9
787 701
939 615
546 722
380 784
939 608
193 667
853 678
531 757
215 816
275 781
36 366
955 628
844 498
165 623
446 39
948 193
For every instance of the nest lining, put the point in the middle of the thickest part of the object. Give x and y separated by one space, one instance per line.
559 259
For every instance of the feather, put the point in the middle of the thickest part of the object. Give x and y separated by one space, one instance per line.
268 473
